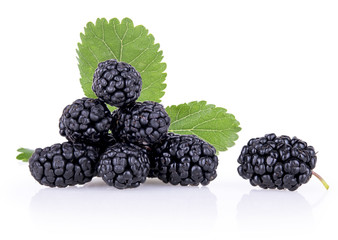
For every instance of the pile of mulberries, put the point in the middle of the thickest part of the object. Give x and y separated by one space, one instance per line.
125 146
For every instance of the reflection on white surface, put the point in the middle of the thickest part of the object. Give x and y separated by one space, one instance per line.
273 209
101 204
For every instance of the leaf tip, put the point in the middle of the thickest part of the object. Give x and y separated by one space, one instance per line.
100 21
24 154
127 21
114 21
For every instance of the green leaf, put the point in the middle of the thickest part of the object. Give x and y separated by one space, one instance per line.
210 123
124 42
24 154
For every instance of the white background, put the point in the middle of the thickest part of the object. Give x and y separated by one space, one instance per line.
273 64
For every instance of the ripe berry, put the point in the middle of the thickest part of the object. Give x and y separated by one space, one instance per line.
142 123
85 120
277 162
65 164
184 160
124 166
117 83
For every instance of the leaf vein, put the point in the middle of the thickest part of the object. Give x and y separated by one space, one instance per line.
152 83
91 51
149 64
189 115
109 49
83 57
134 39
212 119
177 114
118 38
124 35
139 55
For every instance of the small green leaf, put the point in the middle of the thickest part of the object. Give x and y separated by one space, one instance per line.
24 154
124 42
210 123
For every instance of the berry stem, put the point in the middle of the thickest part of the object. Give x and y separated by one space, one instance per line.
321 179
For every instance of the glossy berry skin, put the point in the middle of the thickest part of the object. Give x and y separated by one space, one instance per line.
277 162
65 164
143 123
184 160
85 120
124 166
117 83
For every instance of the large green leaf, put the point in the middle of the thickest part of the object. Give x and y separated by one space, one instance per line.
210 123
124 42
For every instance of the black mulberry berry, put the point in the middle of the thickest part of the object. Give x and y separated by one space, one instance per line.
143 123
124 166
85 120
277 162
117 83
184 160
66 164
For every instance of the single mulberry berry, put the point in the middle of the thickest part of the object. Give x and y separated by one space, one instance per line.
85 120
142 123
277 162
184 160
62 165
124 166
117 83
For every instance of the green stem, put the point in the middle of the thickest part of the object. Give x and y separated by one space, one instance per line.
321 179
